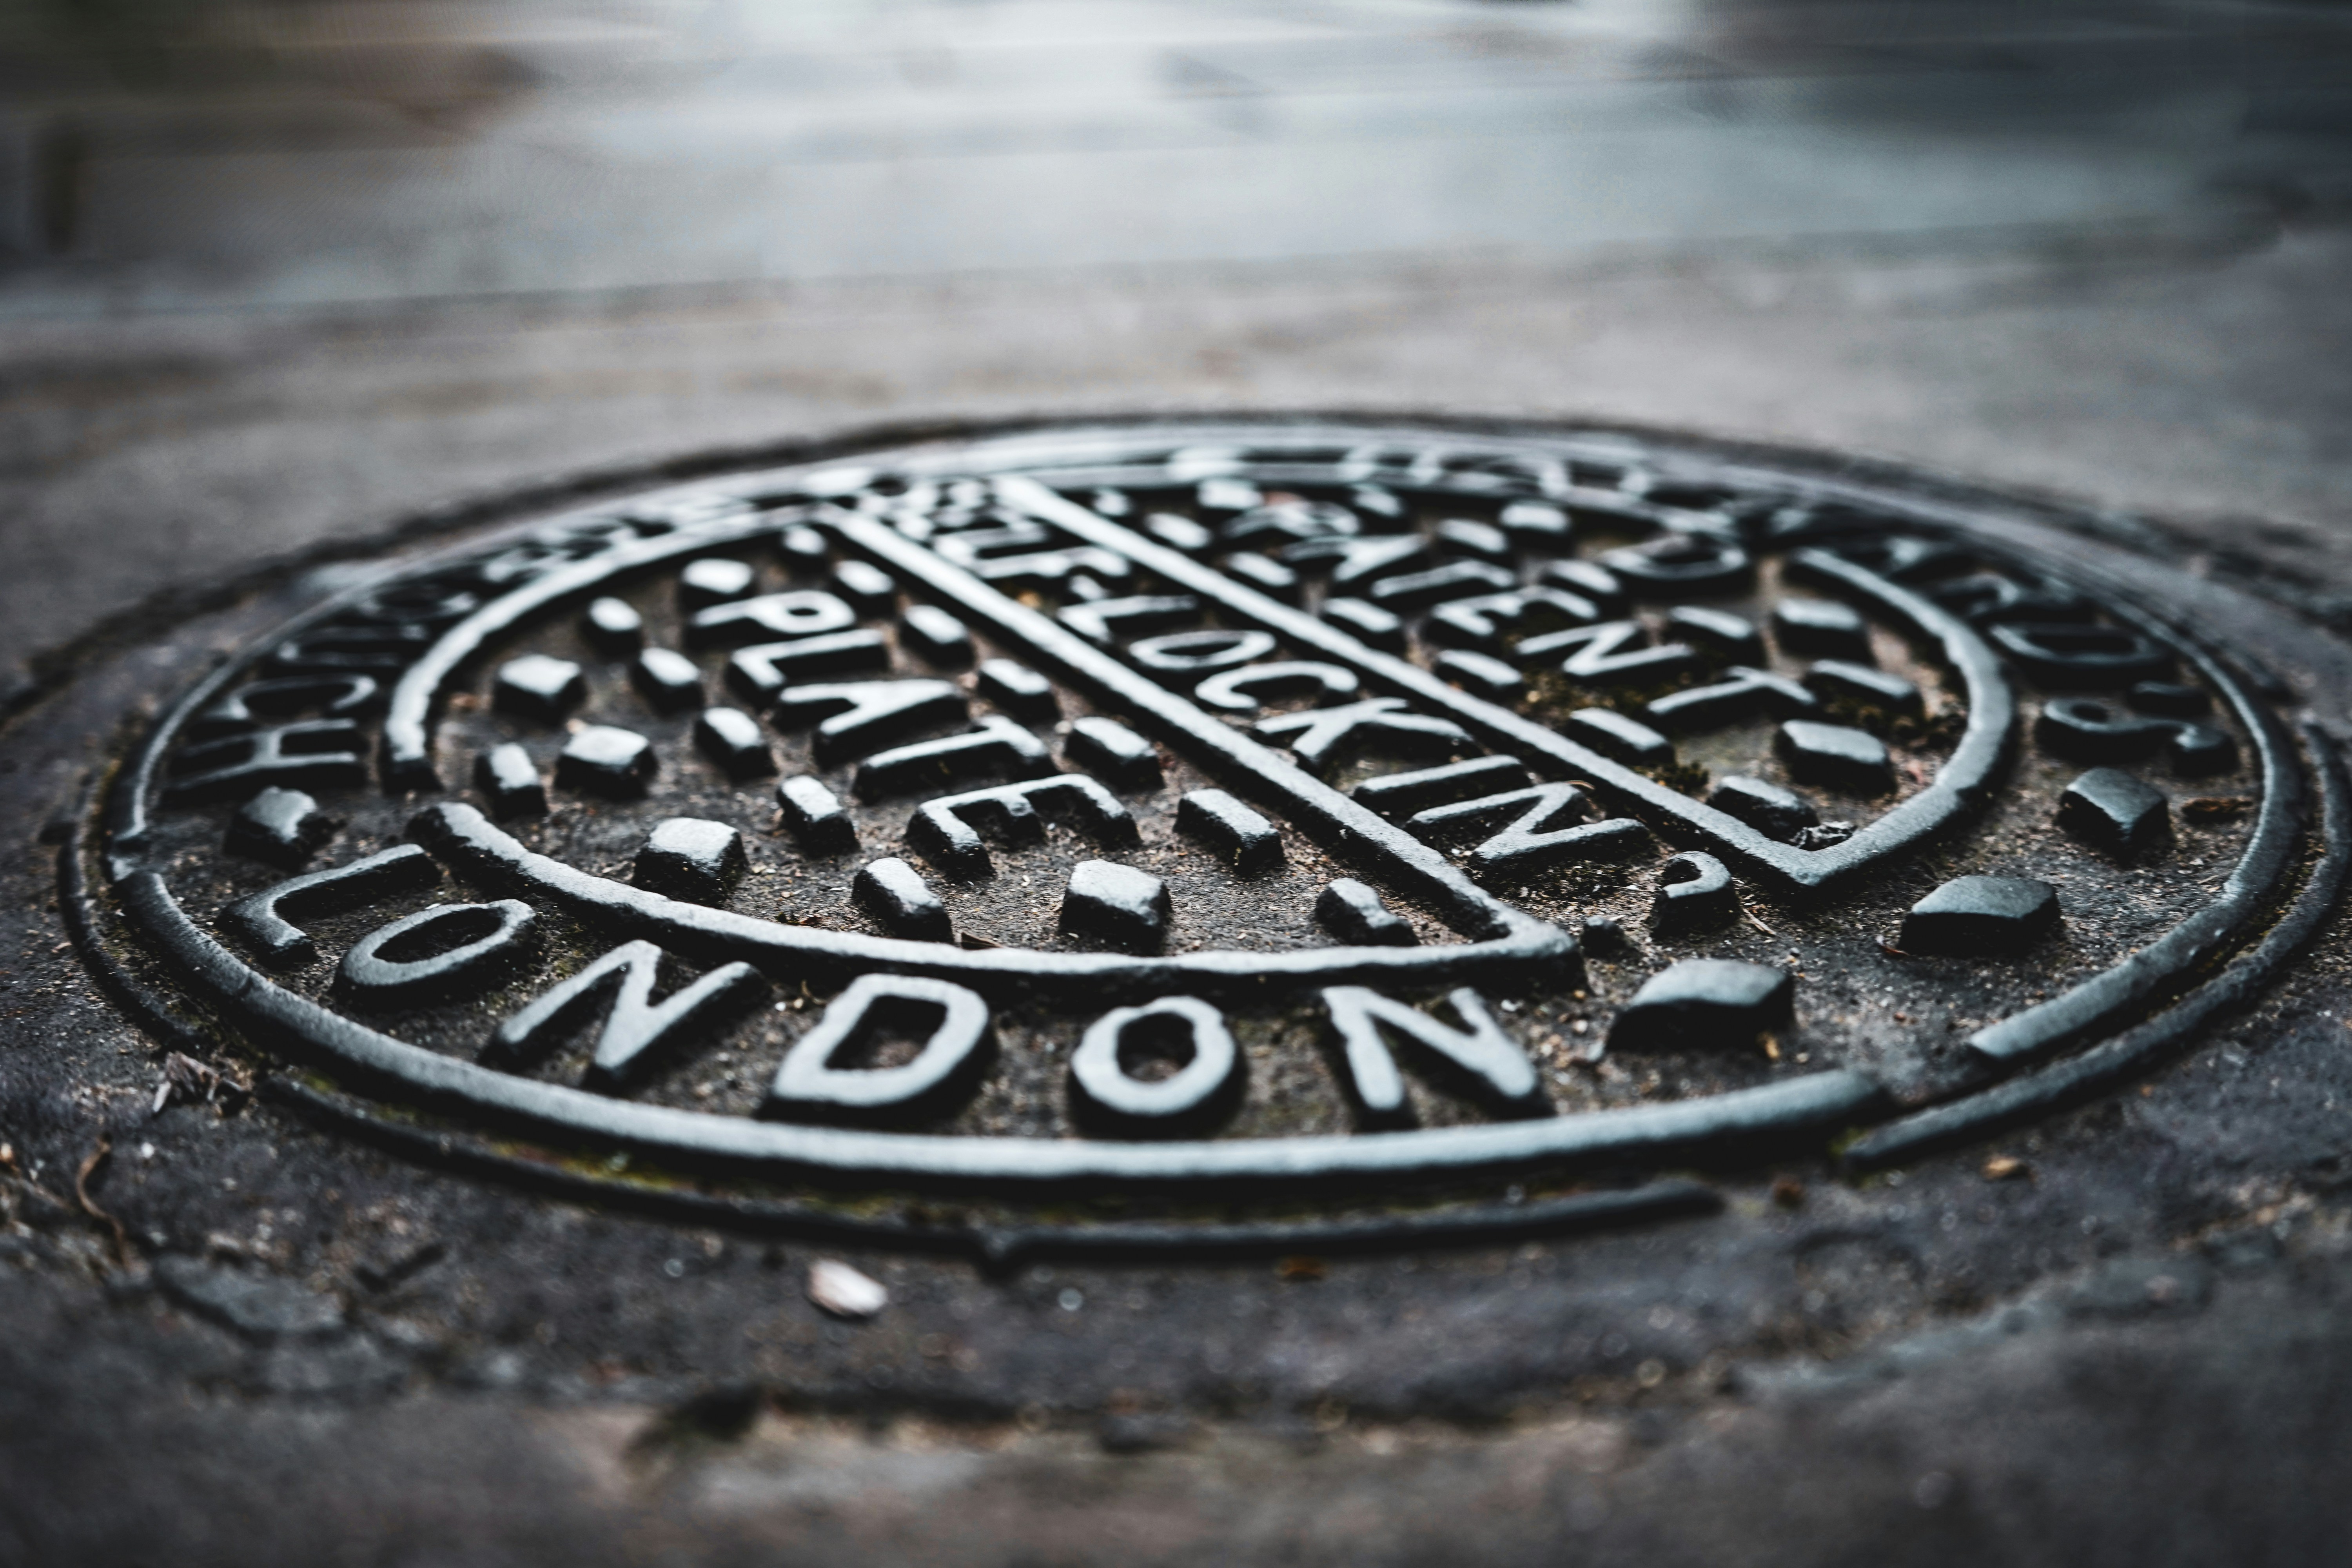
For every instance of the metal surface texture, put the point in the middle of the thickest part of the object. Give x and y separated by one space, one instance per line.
1160 576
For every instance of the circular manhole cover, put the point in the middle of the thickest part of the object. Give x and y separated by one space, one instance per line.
1291 836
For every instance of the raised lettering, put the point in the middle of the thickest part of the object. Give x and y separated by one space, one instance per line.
954 845
1478 1057
436 954
264 922
940 1076
1546 829
636 1032
1184 1030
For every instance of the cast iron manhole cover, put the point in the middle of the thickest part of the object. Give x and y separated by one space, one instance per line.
1293 835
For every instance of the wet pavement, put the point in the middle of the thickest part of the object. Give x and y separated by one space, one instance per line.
349 264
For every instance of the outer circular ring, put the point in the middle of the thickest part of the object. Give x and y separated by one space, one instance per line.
1808 1109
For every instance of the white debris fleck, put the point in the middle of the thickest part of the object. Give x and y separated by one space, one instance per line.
838 1288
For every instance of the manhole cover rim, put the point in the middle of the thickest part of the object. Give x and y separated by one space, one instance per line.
1821 1103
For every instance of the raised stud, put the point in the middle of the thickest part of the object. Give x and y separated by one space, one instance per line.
510 781
1973 917
606 760
667 679
1774 812
687 858
612 626
895 894
869 590
2110 809
733 739
1118 907
715 582
1707 1003
803 548
1113 753
814 817
537 686
1836 757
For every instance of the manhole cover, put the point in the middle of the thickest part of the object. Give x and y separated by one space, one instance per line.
1280 836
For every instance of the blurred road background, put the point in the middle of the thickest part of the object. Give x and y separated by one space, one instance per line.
278 274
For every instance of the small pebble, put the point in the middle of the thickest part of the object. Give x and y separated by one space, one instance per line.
838 1288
